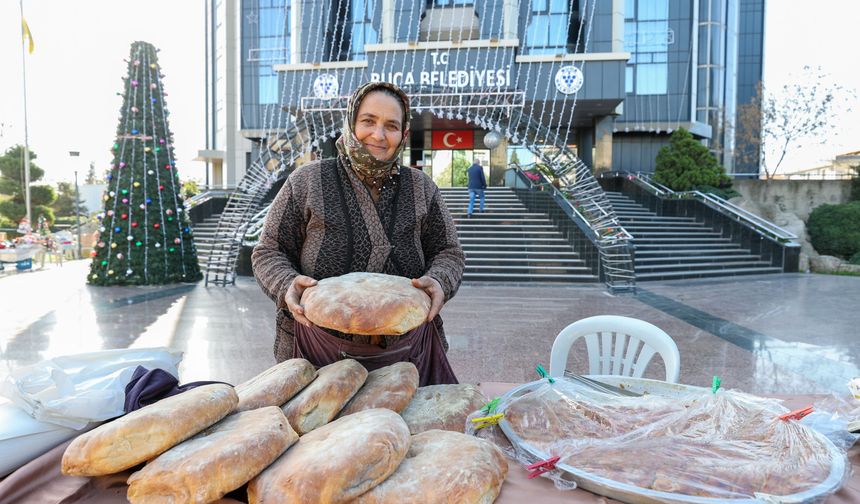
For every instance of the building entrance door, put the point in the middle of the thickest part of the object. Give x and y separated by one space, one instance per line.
449 166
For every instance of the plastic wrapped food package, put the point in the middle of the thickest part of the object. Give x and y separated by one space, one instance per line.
727 445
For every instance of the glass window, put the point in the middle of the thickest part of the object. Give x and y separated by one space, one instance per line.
268 88
647 38
363 31
628 79
553 27
652 9
651 78
445 3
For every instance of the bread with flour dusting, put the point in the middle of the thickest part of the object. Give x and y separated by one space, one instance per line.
145 433
337 462
218 460
442 467
371 304
276 385
390 387
318 403
442 407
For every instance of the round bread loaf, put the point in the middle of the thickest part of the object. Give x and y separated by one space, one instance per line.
276 385
442 467
442 407
216 461
390 387
337 462
321 401
371 304
145 433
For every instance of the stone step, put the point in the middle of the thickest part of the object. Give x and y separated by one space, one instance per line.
704 273
527 277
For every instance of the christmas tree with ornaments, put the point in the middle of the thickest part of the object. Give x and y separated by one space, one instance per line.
145 236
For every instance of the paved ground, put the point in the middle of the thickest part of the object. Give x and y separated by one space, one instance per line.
786 333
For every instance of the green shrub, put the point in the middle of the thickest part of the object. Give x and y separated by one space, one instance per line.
855 259
835 229
685 164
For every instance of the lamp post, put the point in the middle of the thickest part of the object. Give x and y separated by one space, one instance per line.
75 206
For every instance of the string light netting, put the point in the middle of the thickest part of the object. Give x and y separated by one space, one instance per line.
145 236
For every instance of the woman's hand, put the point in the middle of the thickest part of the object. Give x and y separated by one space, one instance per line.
294 298
433 289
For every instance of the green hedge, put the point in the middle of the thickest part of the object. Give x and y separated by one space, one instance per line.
835 229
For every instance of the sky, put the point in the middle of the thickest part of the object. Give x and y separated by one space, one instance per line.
77 68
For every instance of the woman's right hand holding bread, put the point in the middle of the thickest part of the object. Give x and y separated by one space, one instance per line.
294 298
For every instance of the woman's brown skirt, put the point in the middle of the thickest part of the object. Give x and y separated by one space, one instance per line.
421 346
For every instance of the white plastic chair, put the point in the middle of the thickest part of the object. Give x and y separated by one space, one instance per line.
613 347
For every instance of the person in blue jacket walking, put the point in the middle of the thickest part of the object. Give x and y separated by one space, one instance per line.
477 184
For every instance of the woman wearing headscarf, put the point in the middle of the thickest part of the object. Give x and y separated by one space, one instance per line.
361 211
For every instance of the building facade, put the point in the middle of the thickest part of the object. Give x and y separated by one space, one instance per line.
610 79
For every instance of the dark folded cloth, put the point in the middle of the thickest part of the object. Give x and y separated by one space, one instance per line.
149 386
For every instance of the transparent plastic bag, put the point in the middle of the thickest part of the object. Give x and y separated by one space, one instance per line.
74 390
831 416
722 446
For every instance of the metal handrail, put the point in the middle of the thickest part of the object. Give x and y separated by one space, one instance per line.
255 226
621 233
723 206
205 196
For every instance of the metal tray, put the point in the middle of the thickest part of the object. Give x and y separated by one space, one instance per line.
633 494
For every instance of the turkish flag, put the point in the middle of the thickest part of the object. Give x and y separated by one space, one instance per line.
453 139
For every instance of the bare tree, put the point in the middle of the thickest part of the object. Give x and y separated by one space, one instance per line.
773 124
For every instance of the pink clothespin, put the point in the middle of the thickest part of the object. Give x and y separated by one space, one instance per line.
541 467
796 414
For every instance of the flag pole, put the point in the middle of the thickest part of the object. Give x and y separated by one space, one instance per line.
26 141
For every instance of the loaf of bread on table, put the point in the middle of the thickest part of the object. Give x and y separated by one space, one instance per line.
372 304
337 462
442 407
145 433
390 387
276 385
216 461
443 467
321 401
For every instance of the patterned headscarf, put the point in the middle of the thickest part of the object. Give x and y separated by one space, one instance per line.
370 169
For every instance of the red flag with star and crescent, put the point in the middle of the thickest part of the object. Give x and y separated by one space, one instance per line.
453 139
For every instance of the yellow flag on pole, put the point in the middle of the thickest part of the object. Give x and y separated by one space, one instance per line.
25 32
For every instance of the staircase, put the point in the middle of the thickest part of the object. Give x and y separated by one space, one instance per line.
204 238
669 248
508 243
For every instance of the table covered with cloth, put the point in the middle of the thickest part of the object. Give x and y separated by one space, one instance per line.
40 481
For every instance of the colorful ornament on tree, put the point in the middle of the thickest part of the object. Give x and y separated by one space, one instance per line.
136 184
135 110
110 213
136 62
124 216
128 272
134 224
113 245
125 201
168 211
129 238
177 241
156 225
119 255
134 83
117 229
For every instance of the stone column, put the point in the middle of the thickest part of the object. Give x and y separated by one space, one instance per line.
584 146
603 144
498 164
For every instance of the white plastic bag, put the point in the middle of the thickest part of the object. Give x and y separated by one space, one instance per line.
23 438
74 390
